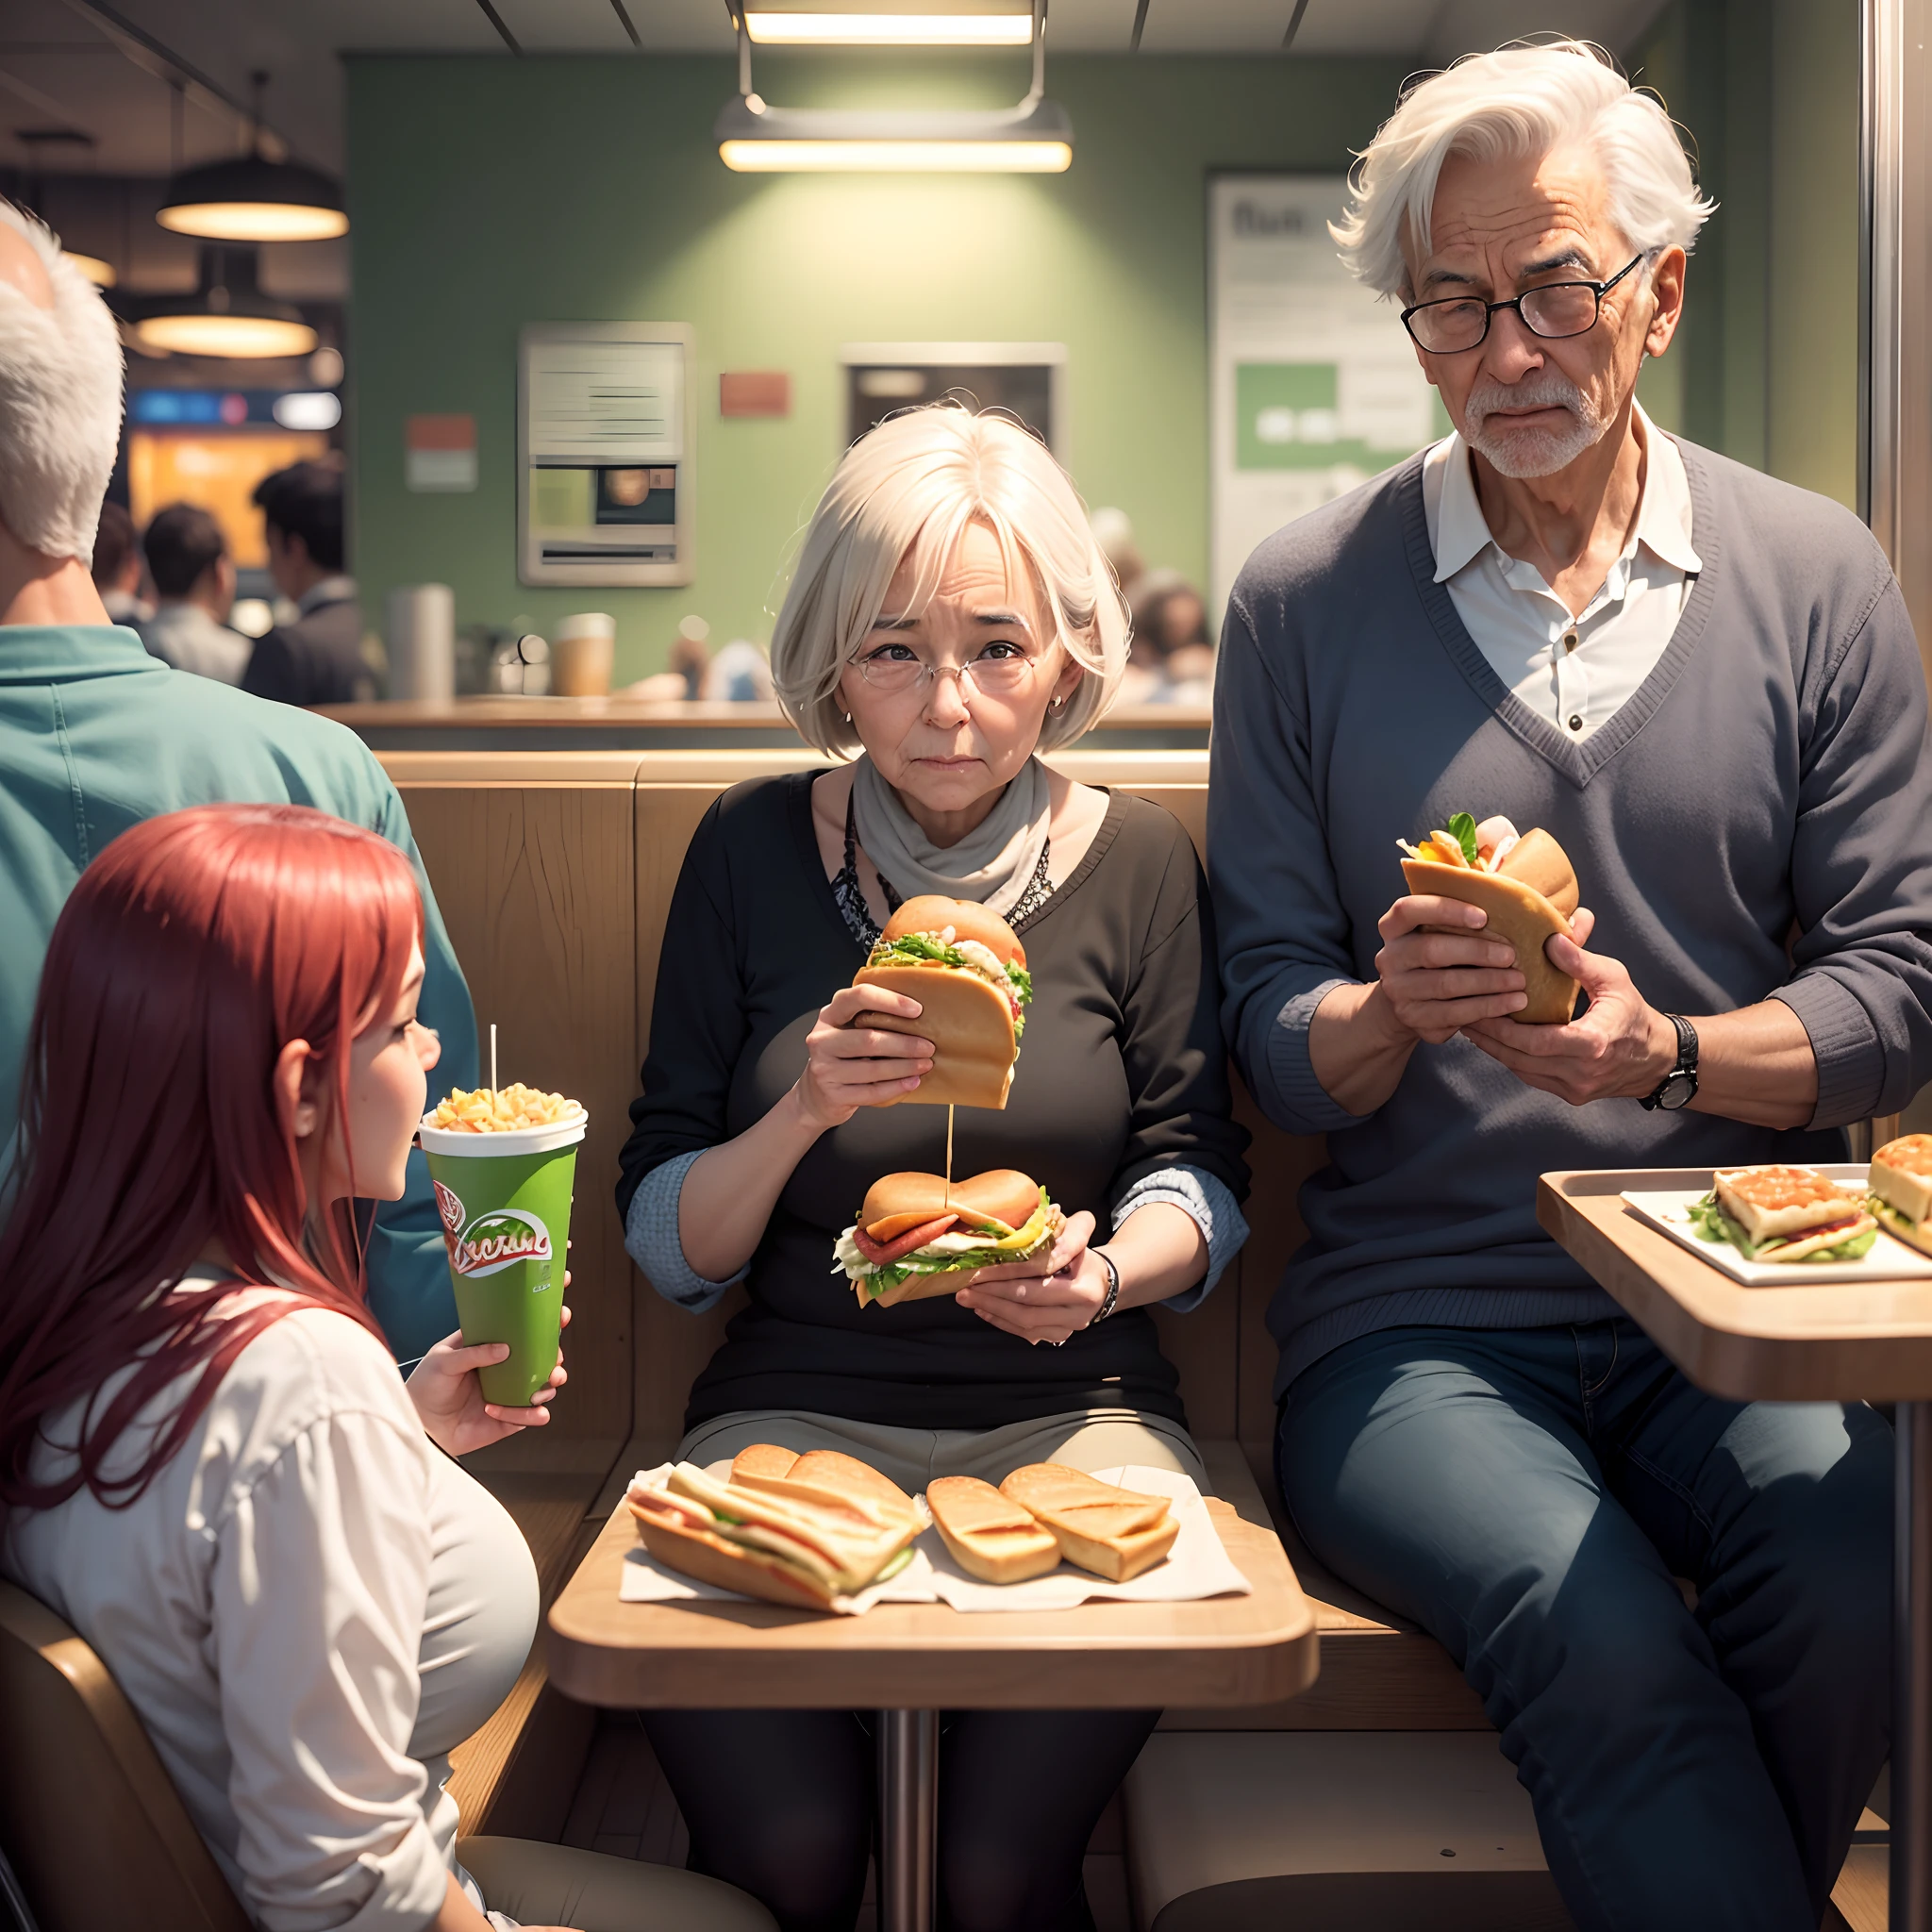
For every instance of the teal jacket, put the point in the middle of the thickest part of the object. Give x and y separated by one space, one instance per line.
95 736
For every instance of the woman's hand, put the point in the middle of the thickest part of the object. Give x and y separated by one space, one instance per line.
848 1067
1046 1299
449 1399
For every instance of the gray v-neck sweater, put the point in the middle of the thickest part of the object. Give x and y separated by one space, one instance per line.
1755 821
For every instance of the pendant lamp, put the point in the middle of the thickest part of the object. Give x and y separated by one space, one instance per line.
252 198
226 315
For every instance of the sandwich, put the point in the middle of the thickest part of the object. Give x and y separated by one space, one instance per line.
1784 1214
915 1235
968 973
1901 1185
802 1530
992 1537
1526 884
1115 1533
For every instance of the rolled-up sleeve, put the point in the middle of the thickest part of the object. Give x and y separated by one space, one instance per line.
320 1584
1209 1203
1861 873
652 1239
1284 935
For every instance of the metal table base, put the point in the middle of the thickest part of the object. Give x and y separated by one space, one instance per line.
1911 1681
908 1748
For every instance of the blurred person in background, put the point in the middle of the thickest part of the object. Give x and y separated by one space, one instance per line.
97 736
318 658
1113 530
1171 643
194 591
117 566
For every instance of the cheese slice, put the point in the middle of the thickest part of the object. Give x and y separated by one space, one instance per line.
1901 1176
1769 1201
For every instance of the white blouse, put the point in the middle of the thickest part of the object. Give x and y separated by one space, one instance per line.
307 1607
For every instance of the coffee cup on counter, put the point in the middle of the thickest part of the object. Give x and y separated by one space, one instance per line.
582 655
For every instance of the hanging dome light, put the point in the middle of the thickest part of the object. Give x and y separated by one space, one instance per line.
252 198
226 315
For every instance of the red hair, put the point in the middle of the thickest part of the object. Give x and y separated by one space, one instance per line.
190 951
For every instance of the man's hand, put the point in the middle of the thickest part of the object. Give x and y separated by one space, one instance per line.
1621 1048
1439 983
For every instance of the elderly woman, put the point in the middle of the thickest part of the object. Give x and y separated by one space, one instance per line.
950 619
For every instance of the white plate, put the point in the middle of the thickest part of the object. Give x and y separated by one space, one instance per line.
1885 1260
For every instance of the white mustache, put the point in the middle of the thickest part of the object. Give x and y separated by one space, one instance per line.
1547 388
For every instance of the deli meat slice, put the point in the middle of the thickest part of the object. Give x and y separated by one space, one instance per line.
883 1254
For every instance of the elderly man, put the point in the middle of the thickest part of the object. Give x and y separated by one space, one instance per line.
96 735
1703 682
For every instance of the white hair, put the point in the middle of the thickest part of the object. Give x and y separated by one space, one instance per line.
908 489
60 374
1517 102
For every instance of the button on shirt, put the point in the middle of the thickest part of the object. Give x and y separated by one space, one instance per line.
1576 671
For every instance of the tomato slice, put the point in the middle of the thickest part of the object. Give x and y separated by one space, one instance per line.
883 1254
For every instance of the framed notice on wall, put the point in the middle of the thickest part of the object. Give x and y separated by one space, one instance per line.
605 431
1314 386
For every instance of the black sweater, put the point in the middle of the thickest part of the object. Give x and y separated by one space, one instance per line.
1122 1071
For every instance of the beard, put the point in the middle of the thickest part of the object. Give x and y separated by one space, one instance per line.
1531 450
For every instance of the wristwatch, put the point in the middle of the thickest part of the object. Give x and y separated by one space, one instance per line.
1113 1286
1679 1086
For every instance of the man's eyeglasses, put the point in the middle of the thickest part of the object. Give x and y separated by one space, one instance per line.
894 670
1553 312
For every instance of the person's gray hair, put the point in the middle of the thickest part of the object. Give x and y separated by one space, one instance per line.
60 375
908 488
1518 101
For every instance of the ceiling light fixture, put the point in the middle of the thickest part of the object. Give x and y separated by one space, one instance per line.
101 274
775 29
252 198
226 315
1034 138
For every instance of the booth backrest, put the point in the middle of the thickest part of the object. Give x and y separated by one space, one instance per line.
554 873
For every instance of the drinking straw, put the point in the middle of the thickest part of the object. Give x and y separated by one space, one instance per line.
492 1059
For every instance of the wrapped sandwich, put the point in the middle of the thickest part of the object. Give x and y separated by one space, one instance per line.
915 1235
1901 1188
1781 1214
802 1530
1526 885
968 973
1113 1532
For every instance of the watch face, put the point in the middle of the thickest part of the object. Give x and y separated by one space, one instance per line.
1677 1091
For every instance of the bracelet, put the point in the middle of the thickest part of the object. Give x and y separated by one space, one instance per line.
1113 1286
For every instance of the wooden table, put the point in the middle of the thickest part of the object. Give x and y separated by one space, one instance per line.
1833 1341
908 1661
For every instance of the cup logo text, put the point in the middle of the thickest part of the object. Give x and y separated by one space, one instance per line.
497 1240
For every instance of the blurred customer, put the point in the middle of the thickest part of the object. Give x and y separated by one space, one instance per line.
740 673
1113 530
118 565
194 591
1173 659
135 740
318 658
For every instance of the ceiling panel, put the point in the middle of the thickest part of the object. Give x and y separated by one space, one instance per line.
1093 26
1366 26
1217 26
571 26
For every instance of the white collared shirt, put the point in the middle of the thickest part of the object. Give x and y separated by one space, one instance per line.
1576 671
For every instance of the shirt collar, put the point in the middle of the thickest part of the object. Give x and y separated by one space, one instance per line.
335 590
1663 515
62 653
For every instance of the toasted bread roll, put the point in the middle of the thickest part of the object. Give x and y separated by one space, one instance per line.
969 1023
761 1459
1113 1532
990 1537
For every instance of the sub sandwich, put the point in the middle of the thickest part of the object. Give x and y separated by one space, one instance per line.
1526 885
916 1237
802 1530
1115 1533
1781 1214
968 973
990 1536
1900 1182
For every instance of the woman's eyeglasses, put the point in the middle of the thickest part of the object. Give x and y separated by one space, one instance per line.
895 671
1553 312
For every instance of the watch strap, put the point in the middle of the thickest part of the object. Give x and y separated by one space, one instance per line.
1113 1287
1686 1064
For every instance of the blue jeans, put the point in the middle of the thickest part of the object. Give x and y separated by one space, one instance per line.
1528 1496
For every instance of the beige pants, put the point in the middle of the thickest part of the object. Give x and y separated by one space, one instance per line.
1084 1439
555 1885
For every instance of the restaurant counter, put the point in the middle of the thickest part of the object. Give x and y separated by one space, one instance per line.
617 723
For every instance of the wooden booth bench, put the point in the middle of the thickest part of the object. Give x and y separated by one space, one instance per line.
1380 1797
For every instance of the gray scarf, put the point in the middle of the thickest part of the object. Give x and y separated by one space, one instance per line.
992 864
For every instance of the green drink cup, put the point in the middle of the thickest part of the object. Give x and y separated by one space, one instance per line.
504 1202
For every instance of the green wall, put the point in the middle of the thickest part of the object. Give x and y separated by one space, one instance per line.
1766 364
487 192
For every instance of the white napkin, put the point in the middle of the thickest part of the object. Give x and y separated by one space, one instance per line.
644 1580
1198 1566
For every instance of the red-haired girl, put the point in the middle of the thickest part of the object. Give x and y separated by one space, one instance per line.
208 1464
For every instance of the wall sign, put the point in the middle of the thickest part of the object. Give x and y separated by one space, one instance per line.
1024 379
1315 387
604 437
440 452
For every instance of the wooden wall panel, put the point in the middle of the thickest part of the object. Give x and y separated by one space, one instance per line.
537 886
